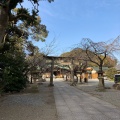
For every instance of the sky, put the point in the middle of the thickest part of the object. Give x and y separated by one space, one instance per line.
68 21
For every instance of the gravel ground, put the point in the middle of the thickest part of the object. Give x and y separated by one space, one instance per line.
29 106
40 104
110 95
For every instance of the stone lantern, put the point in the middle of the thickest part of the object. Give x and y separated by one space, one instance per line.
101 79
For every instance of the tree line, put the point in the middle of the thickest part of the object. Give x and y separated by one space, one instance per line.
18 28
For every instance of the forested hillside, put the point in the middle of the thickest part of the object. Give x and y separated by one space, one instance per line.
79 53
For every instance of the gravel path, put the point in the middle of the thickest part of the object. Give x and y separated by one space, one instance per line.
110 95
29 106
74 104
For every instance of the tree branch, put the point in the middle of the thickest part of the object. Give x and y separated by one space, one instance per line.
15 18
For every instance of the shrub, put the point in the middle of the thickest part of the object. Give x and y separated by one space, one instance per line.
111 72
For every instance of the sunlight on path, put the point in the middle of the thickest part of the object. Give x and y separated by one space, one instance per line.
74 104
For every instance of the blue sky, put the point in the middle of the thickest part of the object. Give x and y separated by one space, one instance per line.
68 21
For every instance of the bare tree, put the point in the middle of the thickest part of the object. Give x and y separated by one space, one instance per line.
94 52
49 48
36 63
81 70
97 53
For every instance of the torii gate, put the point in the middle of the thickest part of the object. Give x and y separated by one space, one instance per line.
53 58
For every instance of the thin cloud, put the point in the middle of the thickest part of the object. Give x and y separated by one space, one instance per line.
47 12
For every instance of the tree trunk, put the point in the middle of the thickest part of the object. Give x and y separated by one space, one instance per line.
31 79
51 76
3 23
72 71
100 68
79 79
101 78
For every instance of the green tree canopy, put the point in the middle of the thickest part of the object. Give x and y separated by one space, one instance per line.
18 27
9 17
111 72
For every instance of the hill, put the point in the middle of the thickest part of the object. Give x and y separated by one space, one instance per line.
79 53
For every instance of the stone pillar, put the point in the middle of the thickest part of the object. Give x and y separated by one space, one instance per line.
65 77
78 78
101 80
83 76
